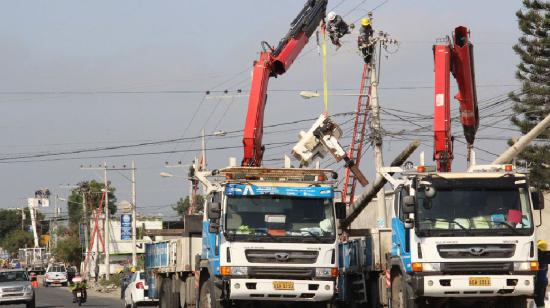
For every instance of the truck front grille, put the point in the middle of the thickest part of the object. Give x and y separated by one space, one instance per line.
477 268
283 273
465 251
281 256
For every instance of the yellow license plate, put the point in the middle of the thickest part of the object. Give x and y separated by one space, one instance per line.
283 285
480 281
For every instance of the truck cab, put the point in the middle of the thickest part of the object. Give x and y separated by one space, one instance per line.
269 234
464 235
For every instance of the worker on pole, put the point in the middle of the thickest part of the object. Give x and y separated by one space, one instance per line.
337 28
364 41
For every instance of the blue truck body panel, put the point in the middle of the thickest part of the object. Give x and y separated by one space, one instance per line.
156 256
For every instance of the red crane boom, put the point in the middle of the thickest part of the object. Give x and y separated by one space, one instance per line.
457 58
274 62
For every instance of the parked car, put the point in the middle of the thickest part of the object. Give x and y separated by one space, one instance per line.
15 263
56 274
136 292
37 269
16 288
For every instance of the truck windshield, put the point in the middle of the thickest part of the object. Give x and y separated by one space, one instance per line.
475 208
279 219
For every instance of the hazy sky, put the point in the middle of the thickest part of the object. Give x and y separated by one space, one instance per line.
80 75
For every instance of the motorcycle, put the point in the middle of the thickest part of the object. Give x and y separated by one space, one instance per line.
80 296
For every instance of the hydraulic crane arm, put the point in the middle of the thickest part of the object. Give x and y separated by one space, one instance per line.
457 58
275 62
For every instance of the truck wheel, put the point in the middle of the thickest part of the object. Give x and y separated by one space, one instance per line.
165 298
512 302
400 293
209 296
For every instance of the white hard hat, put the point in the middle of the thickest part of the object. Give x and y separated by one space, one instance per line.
331 16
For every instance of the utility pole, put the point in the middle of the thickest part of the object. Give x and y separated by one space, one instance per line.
191 208
23 218
86 222
523 142
106 228
134 215
377 144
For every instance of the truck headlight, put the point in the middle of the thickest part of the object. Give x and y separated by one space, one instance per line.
431 267
27 289
326 272
526 266
239 271
234 270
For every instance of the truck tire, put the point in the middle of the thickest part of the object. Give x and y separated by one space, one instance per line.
512 302
400 293
165 297
210 295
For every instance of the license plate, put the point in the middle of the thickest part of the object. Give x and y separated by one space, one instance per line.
480 281
283 285
78 294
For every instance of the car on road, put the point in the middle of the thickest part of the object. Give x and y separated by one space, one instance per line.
37 269
16 288
136 292
56 274
15 263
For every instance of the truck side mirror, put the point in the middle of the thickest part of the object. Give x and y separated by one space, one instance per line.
340 208
408 204
538 200
214 227
214 210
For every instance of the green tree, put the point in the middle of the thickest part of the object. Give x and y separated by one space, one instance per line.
532 103
93 194
182 205
10 220
17 239
69 250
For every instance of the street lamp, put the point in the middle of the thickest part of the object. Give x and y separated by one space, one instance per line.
311 94
166 175
170 175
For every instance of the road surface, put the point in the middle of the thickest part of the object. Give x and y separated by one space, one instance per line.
53 297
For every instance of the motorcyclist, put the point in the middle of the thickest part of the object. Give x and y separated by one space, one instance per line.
79 284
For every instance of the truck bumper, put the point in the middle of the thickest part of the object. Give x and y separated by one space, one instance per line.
459 286
263 289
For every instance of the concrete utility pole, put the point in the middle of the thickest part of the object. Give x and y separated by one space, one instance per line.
86 221
106 228
134 215
23 218
377 144
523 142
363 200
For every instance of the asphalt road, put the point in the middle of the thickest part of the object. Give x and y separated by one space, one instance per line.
61 297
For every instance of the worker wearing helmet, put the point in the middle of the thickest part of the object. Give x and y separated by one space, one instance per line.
364 41
541 281
133 269
337 28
